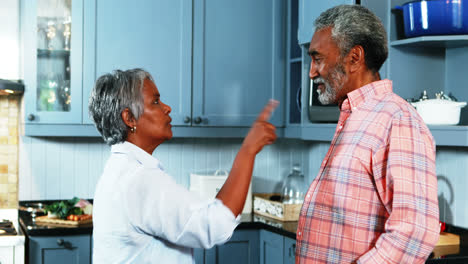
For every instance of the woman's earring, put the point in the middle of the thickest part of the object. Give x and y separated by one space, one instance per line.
133 129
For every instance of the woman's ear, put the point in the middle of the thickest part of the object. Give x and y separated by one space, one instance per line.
128 118
356 58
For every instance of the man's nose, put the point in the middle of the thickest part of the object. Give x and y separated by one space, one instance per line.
313 70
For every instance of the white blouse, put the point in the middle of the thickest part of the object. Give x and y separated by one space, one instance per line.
141 215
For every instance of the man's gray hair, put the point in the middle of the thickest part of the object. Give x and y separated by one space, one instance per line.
356 25
112 93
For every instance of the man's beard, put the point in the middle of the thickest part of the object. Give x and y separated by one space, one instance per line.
333 83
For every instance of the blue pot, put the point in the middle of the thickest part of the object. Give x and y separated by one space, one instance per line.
435 17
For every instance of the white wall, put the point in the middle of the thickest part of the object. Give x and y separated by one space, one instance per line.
61 168
10 40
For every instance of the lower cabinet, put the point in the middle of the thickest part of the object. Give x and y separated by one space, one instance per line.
243 247
250 247
289 256
60 249
271 248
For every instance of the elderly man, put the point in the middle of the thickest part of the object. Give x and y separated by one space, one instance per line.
375 197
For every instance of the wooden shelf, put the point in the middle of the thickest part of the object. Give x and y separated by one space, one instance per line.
448 41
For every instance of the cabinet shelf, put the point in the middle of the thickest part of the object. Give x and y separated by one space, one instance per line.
52 53
449 41
443 135
295 60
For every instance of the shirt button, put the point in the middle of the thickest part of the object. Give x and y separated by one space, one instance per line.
340 127
354 108
299 233
308 196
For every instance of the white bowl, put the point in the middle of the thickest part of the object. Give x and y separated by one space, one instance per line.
439 111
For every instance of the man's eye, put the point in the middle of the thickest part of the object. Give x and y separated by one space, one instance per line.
156 101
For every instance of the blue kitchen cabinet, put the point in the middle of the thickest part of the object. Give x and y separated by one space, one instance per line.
52 62
271 248
74 249
216 63
155 35
289 255
309 10
239 60
243 247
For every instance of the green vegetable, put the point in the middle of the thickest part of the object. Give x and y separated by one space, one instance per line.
64 208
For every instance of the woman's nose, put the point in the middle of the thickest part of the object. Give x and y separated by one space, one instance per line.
167 108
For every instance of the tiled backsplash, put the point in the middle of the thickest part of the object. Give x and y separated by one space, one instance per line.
9 113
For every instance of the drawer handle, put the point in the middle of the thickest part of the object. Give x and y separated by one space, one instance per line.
64 243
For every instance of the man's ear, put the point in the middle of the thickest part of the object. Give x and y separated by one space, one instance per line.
356 58
128 118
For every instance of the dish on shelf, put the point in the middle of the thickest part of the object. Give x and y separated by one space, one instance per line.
439 111
435 17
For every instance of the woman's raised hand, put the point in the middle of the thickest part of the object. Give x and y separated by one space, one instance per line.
262 132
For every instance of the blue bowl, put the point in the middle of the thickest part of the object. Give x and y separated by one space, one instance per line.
435 17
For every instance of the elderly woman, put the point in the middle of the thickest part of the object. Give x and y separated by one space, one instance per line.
141 215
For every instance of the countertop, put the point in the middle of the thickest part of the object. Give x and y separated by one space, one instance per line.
441 255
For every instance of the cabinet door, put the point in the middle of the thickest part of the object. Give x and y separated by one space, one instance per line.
65 249
155 35
243 248
238 61
289 251
52 33
271 248
309 11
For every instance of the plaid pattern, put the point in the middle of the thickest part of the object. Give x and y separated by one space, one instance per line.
375 197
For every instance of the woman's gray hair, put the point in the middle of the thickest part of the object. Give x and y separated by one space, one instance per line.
112 93
356 25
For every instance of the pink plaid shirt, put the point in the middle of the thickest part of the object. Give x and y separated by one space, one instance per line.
375 197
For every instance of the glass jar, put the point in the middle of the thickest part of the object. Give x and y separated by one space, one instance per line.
294 187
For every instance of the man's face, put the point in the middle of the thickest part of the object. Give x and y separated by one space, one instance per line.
327 67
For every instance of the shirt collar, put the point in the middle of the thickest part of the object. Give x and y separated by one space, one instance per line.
137 153
358 96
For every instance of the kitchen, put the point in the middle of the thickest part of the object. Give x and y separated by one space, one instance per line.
61 167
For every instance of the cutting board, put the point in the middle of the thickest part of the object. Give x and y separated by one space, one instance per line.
448 244
60 222
447 239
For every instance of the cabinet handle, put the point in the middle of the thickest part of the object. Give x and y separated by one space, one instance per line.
64 243
294 250
187 119
31 117
197 120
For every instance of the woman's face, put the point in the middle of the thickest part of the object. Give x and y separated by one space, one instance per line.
154 124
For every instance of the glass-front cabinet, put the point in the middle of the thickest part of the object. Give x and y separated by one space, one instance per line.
52 39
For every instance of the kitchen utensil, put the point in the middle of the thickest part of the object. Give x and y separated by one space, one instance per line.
435 17
294 187
208 184
33 208
439 111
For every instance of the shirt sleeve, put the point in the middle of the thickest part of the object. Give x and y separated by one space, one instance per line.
405 178
160 207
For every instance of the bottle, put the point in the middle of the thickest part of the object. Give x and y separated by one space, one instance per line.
294 187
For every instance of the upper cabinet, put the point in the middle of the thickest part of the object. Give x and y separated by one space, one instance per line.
239 60
309 11
216 63
155 35
52 52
